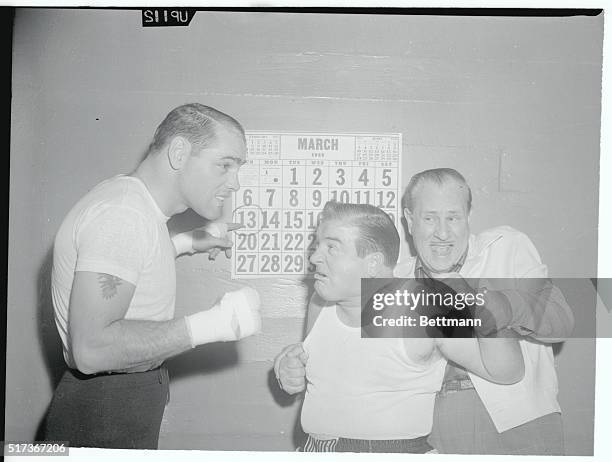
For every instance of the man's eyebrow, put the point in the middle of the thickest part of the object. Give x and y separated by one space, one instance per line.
335 239
447 211
238 160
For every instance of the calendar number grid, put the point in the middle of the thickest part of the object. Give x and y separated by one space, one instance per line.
281 198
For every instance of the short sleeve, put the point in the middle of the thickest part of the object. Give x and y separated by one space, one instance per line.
114 240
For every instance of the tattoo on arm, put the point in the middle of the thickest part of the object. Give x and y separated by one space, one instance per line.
108 284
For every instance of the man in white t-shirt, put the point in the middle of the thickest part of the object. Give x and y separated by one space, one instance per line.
376 394
113 282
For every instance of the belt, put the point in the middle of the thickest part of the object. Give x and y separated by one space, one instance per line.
79 375
160 374
455 385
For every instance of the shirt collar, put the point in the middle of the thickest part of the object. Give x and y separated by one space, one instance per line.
158 212
478 244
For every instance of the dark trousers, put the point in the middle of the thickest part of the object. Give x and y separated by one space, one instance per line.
462 425
108 410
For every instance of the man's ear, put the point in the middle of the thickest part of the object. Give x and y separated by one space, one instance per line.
408 217
375 262
179 150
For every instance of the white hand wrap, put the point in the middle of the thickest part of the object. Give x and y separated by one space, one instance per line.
183 243
236 316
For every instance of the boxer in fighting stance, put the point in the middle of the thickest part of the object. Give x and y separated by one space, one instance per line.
113 282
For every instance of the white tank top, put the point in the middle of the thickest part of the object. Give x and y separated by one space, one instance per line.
367 388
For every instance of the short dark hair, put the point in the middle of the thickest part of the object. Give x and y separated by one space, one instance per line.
377 232
438 176
196 122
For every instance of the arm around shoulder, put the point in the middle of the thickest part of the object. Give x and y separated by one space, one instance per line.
539 308
497 359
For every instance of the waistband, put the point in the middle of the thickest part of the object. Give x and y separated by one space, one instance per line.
455 385
414 445
160 374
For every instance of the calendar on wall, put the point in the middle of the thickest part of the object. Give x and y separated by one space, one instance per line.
285 183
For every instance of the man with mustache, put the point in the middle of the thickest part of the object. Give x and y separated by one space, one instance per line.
114 284
375 395
476 416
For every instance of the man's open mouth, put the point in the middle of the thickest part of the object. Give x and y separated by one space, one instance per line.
320 276
441 250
